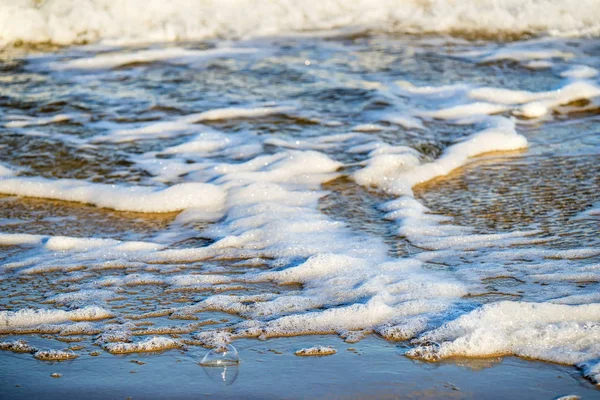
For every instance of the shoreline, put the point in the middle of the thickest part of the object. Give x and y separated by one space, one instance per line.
372 368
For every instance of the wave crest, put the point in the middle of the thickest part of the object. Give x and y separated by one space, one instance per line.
65 22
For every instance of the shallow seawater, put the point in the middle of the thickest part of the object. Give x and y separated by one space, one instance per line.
423 196
269 370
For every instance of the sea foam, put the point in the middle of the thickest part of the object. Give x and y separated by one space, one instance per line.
550 332
259 236
28 317
70 21
124 198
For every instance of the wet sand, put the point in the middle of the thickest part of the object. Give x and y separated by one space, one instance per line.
543 188
372 368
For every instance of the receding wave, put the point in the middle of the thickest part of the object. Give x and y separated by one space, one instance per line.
66 22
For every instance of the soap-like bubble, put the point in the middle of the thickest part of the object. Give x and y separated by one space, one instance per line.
224 375
221 356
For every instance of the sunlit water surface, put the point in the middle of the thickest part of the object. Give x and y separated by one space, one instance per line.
299 142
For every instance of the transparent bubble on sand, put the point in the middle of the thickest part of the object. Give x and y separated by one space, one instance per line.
221 356
222 375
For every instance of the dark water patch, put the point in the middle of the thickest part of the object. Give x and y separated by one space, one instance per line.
359 209
61 218
51 158
502 195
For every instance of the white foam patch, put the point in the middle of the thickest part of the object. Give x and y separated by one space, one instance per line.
162 129
80 328
175 55
292 168
213 339
156 343
14 239
55 355
491 101
533 253
465 111
129 280
266 212
580 72
537 104
504 271
238 112
369 128
507 96
405 121
207 139
395 290
6 171
264 219
319 143
512 54
70 21
272 213
65 243
570 277
29 317
316 351
24 121
431 92
18 346
398 174
61 253
578 299
550 332
407 329
82 297
203 144
538 64
189 280
352 317
123 198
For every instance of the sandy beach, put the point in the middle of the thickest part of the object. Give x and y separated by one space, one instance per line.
370 199
372 368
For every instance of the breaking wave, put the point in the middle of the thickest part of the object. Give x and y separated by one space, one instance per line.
66 22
